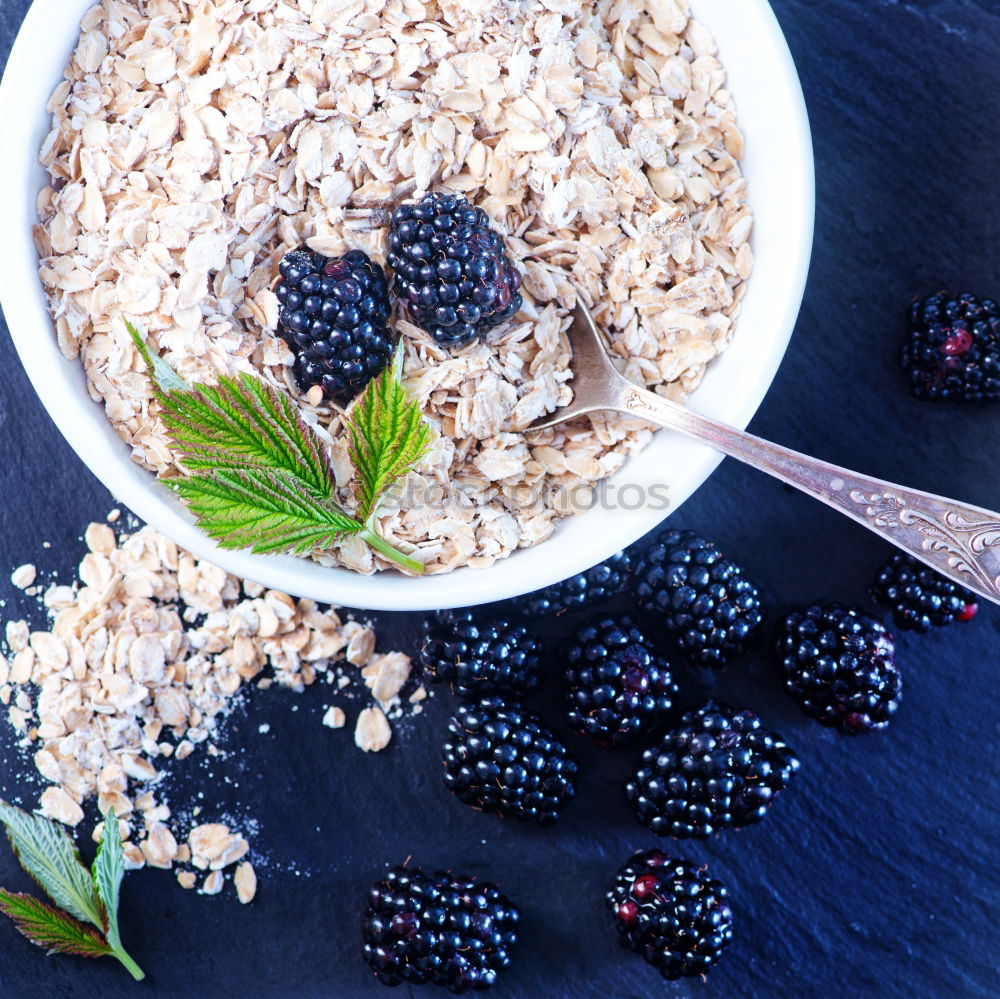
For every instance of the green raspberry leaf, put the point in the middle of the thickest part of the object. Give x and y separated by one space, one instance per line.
388 436
264 511
48 854
49 928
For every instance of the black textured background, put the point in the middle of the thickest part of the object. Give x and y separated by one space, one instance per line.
875 874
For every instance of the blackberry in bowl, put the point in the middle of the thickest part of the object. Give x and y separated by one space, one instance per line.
438 928
672 912
451 270
333 316
617 687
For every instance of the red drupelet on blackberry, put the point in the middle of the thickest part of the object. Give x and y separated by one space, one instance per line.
500 758
478 656
617 687
719 768
953 350
920 598
672 913
452 273
333 316
837 662
439 928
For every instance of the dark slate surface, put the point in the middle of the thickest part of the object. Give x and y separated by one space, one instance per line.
873 877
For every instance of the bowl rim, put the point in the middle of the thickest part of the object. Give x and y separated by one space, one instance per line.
61 384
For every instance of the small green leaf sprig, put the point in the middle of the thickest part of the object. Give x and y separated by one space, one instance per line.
83 899
258 475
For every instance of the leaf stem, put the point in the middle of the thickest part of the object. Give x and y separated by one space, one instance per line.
134 970
392 554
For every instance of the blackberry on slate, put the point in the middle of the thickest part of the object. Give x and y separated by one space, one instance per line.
698 596
920 598
499 758
672 913
441 928
333 316
718 768
837 662
953 348
579 592
480 657
617 687
452 272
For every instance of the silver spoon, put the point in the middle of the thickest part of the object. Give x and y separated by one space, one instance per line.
961 542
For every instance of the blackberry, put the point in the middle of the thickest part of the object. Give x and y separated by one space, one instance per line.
333 316
672 913
581 591
617 687
499 758
698 596
452 273
717 769
441 928
480 657
920 598
837 662
953 348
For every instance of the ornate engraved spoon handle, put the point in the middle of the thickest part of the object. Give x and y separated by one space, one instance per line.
958 540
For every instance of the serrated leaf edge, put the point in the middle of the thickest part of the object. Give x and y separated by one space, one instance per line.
107 873
388 437
21 907
266 427
233 507
213 469
66 881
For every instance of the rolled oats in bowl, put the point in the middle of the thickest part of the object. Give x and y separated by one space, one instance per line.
195 144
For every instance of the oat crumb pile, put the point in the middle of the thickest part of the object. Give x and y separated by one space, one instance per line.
141 660
193 144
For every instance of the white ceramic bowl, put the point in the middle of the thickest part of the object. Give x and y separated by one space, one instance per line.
779 173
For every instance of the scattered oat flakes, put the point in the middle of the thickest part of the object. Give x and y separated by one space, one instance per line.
373 731
334 718
134 860
212 884
160 847
386 675
57 804
23 576
245 880
139 662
